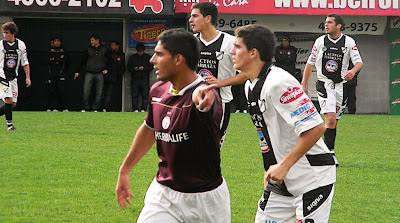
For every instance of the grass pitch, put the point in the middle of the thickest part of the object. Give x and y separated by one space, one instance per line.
62 167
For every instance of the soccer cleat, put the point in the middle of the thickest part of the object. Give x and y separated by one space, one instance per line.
65 110
11 128
244 111
237 111
83 110
136 111
142 110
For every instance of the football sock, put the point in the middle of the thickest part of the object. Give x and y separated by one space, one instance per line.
2 110
329 138
8 113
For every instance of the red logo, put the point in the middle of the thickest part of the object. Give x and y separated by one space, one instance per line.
396 61
354 48
291 94
148 33
140 5
397 81
395 102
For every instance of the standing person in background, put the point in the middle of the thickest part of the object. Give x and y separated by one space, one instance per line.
350 91
215 64
299 170
286 56
57 76
95 63
183 119
116 68
139 65
330 55
12 55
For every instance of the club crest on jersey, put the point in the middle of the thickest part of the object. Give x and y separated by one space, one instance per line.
11 63
262 105
344 49
263 143
331 66
166 122
219 55
204 72
291 94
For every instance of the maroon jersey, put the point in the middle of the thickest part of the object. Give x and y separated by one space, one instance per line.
187 139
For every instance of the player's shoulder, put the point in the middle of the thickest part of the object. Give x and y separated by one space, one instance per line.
349 39
227 36
20 42
160 86
279 77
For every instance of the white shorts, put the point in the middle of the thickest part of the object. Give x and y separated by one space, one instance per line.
10 91
330 97
162 204
311 207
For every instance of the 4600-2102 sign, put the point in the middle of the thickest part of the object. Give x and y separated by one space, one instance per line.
71 3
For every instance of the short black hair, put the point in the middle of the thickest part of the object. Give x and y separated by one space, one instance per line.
180 41
95 36
259 37
116 42
207 9
140 47
338 19
10 27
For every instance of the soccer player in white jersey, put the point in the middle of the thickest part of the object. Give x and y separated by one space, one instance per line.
12 55
215 64
183 119
330 55
299 169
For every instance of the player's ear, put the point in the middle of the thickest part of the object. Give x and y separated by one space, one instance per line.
179 60
254 53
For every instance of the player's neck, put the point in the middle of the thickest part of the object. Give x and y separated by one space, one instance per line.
209 33
11 40
335 35
184 78
254 69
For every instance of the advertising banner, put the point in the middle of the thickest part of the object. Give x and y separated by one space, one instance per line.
116 7
394 72
370 25
299 7
146 31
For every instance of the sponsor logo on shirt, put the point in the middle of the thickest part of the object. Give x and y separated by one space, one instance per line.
165 122
331 66
291 94
263 143
11 63
305 108
204 72
175 138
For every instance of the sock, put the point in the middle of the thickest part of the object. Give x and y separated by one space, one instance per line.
8 113
2 110
329 138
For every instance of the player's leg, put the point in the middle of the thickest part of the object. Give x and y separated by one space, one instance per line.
226 114
159 205
87 89
315 206
273 207
99 78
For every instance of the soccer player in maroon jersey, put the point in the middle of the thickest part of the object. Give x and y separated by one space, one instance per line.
183 119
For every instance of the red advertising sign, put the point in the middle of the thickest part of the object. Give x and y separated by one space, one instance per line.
299 7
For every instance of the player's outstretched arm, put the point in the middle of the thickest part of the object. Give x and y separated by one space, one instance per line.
306 75
235 80
204 97
306 140
141 144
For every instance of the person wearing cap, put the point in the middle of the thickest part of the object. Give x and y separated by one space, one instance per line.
286 55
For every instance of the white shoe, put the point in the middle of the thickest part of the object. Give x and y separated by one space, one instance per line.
55 110
136 111
104 110
142 110
65 110
244 111
237 111
95 111
83 110
48 110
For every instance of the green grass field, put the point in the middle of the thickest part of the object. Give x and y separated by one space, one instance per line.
62 167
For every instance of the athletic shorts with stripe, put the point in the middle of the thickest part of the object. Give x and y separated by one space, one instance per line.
330 97
311 207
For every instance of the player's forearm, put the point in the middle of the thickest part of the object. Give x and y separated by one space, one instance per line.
357 67
307 73
237 79
27 71
304 143
143 141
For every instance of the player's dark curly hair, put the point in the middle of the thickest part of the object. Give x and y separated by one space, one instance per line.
338 18
10 27
207 9
259 37
180 41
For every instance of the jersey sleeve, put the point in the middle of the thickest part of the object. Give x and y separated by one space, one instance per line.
24 56
354 53
294 106
314 52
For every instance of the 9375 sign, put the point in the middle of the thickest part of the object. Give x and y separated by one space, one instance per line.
119 7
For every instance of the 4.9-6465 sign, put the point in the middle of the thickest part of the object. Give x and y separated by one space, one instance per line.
120 7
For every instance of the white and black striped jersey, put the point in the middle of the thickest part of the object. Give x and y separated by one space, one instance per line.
281 112
12 55
216 60
331 57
